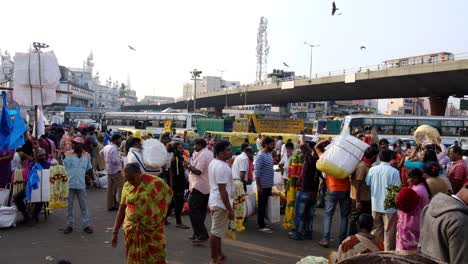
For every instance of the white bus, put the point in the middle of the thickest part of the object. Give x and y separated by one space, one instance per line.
153 121
394 128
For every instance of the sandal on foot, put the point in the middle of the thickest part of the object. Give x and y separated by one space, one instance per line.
182 226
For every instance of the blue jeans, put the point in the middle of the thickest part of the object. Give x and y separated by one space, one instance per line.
332 199
81 195
304 214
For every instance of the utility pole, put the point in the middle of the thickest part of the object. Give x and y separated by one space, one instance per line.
221 72
195 74
38 46
311 50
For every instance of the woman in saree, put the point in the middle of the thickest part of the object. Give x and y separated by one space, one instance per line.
410 202
145 199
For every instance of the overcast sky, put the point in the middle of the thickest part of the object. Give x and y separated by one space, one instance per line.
173 37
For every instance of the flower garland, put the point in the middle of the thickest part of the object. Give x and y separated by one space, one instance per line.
238 207
18 181
294 171
58 187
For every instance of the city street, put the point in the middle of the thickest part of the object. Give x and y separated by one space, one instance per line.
45 242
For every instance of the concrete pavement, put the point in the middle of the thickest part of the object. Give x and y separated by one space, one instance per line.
45 242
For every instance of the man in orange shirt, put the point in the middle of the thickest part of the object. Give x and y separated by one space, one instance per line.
337 192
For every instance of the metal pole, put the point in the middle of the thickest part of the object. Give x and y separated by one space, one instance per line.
310 70
194 92
245 97
311 52
36 109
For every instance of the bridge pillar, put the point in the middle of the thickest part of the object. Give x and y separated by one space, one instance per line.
438 104
218 111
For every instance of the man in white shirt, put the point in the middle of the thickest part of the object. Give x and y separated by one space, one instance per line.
221 198
279 144
283 147
240 167
258 142
284 162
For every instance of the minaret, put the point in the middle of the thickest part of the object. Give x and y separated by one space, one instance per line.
90 63
129 86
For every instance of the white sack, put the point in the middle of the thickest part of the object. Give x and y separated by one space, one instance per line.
154 154
273 210
7 216
344 154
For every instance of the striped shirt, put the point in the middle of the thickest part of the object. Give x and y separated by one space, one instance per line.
264 169
458 171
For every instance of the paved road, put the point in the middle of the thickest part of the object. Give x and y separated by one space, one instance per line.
33 244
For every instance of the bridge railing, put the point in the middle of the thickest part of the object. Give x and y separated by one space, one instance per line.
378 67
382 66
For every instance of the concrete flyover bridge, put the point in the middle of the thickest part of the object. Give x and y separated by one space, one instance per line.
437 81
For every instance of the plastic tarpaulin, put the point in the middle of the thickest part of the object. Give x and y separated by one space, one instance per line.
19 127
29 77
5 124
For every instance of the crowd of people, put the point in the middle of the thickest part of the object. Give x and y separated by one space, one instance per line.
430 216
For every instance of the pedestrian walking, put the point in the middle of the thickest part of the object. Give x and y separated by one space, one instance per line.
337 193
142 211
378 179
306 198
221 198
177 181
199 186
360 192
111 155
444 228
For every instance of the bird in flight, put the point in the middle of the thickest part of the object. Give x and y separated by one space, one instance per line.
132 48
362 47
286 65
334 8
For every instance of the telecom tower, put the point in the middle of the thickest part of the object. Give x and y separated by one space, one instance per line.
262 49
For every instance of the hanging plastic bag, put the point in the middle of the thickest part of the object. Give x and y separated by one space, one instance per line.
5 195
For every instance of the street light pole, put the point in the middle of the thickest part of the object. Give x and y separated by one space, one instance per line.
311 51
38 46
195 74
224 86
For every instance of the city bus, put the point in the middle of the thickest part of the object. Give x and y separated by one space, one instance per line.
395 128
153 121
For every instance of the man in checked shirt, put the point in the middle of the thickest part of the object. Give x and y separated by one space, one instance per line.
111 155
